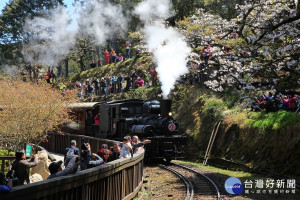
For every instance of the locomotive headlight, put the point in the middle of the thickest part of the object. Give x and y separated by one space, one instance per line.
170 114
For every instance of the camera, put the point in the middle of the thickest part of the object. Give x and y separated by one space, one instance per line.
84 144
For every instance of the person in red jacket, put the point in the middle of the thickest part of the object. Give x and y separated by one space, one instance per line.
48 77
96 120
106 54
139 82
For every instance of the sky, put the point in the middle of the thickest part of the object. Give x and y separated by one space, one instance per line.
3 3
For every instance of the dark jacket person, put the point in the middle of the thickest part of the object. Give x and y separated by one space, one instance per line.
56 170
21 166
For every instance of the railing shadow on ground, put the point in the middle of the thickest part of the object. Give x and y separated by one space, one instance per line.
119 179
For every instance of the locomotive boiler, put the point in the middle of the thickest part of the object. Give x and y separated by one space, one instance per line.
149 120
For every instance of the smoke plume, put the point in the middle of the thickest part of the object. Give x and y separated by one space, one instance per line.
168 47
51 38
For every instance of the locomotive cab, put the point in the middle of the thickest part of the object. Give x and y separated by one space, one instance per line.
116 116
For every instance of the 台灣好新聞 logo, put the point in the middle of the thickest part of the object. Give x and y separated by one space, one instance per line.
233 185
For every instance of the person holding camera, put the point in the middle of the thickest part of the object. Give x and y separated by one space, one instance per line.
5 184
88 159
22 166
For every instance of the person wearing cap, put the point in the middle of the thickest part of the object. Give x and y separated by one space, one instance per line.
22 166
71 152
126 148
56 170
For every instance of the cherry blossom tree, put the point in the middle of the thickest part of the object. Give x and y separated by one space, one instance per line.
28 111
257 50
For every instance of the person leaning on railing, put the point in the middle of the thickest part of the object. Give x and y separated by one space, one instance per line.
56 170
89 159
136 143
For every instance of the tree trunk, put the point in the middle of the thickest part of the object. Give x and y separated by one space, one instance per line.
98 56
67 67
82 67
35 73
59 69
113 39
29 69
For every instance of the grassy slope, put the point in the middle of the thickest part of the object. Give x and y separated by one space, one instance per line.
257 139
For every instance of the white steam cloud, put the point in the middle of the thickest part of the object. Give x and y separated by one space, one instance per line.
52 37
169 48
150 10
101 19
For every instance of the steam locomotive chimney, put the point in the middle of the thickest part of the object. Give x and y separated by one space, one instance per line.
165 107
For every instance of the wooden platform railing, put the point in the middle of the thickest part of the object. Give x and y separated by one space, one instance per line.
119 179
3 159
58 142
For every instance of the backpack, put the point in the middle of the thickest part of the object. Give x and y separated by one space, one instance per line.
70 153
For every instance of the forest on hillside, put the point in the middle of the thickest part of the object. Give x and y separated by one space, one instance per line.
254 44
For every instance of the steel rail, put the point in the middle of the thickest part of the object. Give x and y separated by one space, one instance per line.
190 169
189 186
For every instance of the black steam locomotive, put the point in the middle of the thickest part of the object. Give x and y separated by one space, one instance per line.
116 119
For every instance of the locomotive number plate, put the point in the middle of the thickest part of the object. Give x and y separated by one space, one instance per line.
172 127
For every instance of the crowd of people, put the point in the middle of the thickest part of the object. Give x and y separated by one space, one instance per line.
75 160
271 103
113 57
108 84
111 84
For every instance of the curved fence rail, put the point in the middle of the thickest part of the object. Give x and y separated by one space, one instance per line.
119 179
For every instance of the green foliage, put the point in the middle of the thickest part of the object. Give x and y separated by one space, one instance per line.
84 52
214 108
3 152
12 21
184 8
272 121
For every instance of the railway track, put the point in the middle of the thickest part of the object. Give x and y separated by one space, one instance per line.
198 185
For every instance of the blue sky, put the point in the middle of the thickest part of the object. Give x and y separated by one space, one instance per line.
3 3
